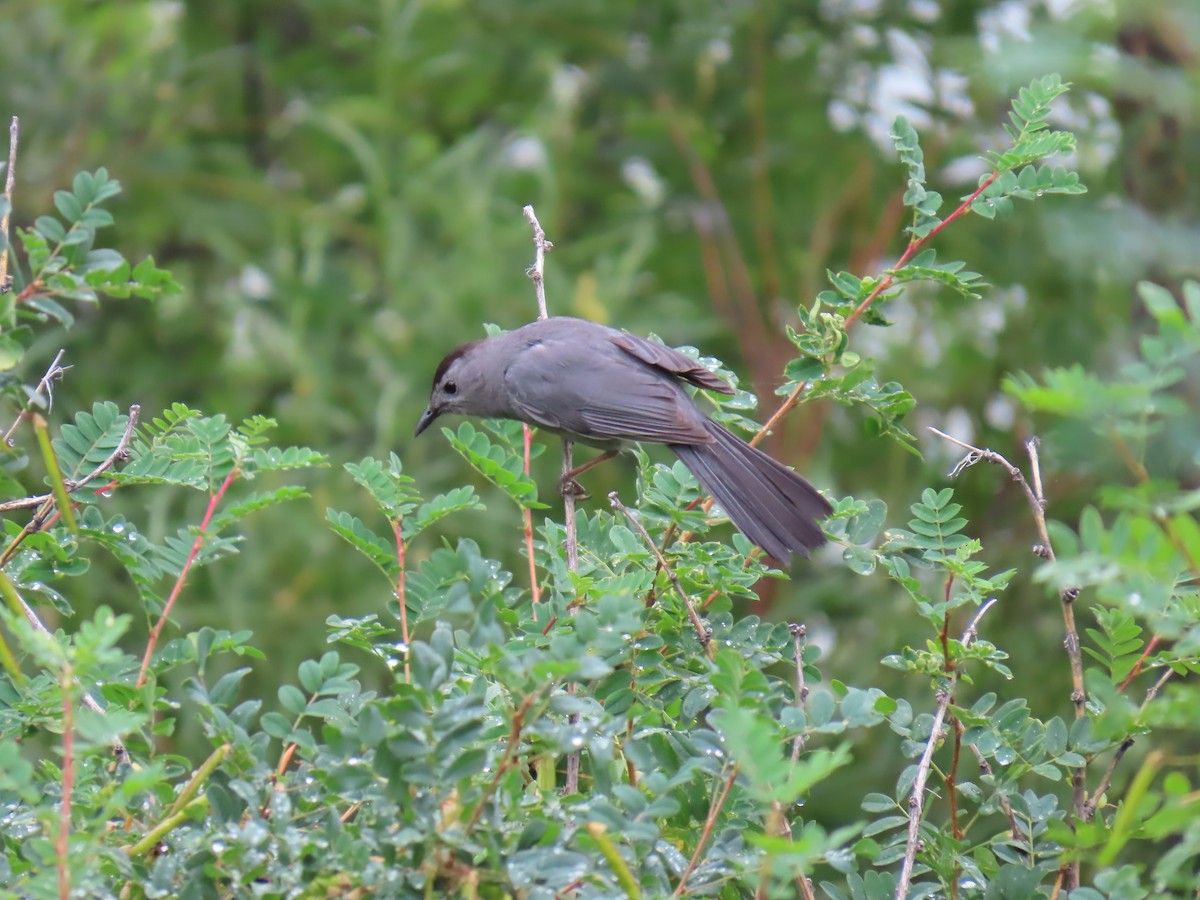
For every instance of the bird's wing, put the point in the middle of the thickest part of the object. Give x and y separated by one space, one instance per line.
670 361
600 395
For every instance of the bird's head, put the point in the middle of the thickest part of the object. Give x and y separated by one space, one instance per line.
460 385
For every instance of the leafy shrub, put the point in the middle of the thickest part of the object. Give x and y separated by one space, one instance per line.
615 730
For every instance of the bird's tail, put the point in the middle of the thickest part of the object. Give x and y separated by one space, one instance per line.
768 502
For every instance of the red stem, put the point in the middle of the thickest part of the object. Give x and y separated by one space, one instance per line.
156 631
527 515
916 244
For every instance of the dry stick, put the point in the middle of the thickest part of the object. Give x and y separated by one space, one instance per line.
916 803
10 180
538 273
799 633
714 810
156 631
120 452
53 373
798 638
1089 808
1067 596
703 635
68 785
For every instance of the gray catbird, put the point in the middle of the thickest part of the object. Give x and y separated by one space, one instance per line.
604 387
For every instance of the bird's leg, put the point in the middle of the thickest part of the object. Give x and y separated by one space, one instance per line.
568 482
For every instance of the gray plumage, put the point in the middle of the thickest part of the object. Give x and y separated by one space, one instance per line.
604 387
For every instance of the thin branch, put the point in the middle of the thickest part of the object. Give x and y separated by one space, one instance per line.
18 605
1067 596
799 633
568 494
884 283
1089 808
200 776
120 452
156 631
154 836
46 384
510 749
68 786
10 181
703 634
916 803
915 245
714 810
566 485
538 271
1005 807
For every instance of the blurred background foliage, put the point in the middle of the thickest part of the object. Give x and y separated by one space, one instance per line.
337 187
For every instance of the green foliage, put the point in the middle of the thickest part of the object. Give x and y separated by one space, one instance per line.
63 263
704 750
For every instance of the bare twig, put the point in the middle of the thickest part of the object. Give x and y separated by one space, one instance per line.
799 633
156 631
1067 596
714 811
19 606
45 502
68 786
10 181
916 803
702 632
1089 808
568 495
798 639
538 274
566 485
538 271
53 373
510 750
121 451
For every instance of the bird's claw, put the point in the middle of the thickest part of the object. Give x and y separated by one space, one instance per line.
568 485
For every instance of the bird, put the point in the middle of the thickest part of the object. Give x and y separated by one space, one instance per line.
606 388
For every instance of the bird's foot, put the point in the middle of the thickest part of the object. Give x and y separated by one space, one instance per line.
568 485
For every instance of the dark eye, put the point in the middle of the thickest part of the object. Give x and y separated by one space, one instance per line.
450 388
